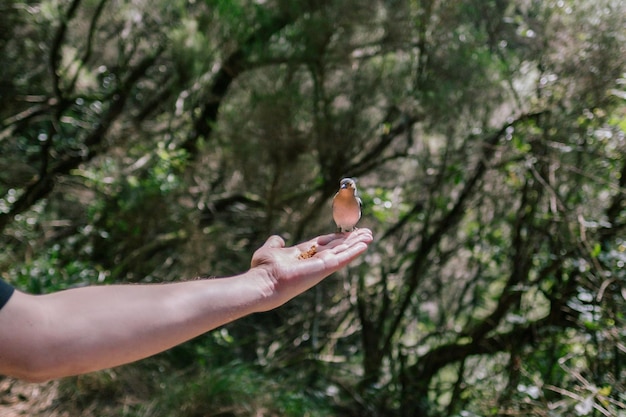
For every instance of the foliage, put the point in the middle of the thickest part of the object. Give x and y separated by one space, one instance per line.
157 141
156 389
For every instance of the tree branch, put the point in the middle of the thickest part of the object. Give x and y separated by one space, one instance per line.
232 67
44 184
447 222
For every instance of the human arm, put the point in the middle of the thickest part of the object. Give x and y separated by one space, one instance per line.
90 328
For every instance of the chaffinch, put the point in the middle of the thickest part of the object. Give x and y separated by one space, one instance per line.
346 206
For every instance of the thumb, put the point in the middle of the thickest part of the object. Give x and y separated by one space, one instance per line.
260 256
274 242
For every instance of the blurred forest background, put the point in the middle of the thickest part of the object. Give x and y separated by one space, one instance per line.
150 141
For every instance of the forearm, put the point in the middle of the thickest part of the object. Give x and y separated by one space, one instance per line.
87 329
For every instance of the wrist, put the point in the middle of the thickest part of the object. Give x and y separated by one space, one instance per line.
263 285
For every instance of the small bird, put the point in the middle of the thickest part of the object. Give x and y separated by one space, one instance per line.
346 206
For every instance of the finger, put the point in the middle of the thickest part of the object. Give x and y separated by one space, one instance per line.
274 242
337 239
360 235
350 247
357 239
322 241
364 235
342 255
326 239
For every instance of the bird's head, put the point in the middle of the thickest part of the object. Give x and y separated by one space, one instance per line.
347 183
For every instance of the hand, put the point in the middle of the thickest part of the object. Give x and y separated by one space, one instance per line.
288 273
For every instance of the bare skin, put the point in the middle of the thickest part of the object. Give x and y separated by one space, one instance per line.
86 329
